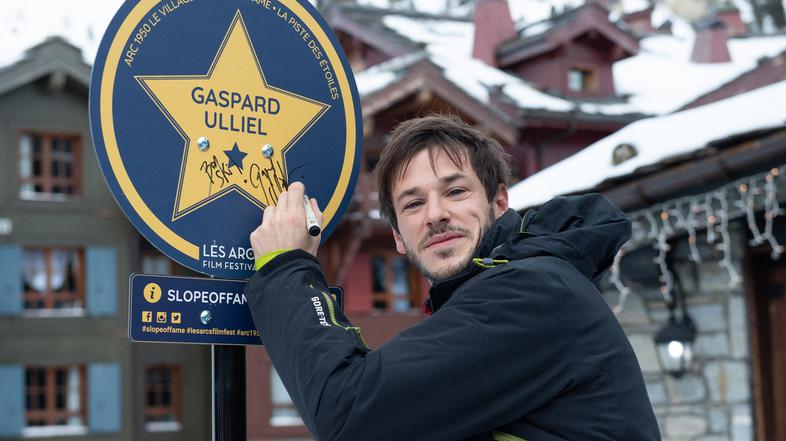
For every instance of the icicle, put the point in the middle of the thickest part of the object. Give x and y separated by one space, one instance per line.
663 249
615 280
711 219
725 245
690 224
772 210
747 203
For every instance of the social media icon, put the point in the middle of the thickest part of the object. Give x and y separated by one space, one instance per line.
175 317
147 316
161 317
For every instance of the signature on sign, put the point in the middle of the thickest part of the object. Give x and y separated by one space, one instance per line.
270 178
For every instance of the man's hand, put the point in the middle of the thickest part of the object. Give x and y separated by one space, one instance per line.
284 225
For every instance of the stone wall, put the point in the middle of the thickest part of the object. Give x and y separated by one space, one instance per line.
713 400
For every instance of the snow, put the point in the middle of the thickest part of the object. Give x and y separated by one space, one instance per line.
449 45
536 28
25 24
531 11
525 11
679 81
746 10
437 7
440 35
680 27
370 81
380 76
655 139
629 6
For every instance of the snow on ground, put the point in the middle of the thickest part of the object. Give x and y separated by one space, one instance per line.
24 24
655 139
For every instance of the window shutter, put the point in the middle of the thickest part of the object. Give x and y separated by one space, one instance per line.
12 403
101 264
10 280
103 394
358 292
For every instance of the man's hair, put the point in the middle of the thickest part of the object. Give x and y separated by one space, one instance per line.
461 142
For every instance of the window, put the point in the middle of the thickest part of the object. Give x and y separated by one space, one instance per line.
55 400
157 263
53 279
581 79
395 285
49 166
162 398
284 412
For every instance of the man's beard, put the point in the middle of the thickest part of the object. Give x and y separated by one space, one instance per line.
447 253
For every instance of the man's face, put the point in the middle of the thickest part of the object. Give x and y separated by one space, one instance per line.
442 213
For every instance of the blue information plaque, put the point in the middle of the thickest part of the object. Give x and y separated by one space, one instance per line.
169 309
203 111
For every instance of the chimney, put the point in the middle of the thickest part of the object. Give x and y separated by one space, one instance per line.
493 25
710 44
640 22
730 15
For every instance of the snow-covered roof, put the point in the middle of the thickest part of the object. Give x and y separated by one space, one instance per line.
660 79
655 139
375 78
449 45
26 24
520 10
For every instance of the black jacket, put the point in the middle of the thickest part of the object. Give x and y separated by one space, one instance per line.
527 349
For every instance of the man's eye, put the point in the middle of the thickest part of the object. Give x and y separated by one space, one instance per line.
413 204
456 191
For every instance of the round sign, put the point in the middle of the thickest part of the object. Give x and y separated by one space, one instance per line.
203 111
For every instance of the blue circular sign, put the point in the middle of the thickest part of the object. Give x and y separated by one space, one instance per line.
203 111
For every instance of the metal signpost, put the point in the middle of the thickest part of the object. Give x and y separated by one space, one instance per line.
202 112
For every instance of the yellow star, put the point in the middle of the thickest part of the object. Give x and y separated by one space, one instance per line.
240 115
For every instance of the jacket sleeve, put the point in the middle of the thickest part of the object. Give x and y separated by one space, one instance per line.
497 350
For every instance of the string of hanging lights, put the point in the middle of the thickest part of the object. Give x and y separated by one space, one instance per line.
711 211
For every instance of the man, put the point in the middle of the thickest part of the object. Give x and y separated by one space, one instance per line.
520 346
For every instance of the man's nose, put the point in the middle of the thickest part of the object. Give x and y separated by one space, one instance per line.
436 210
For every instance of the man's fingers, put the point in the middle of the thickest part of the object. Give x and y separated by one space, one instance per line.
297 190
267 217
296 208
283 200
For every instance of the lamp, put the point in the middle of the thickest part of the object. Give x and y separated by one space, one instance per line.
675 344
675 340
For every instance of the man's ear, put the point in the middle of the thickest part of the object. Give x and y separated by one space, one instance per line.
400 247
500 202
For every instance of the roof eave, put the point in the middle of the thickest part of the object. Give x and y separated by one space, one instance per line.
426 76
673 178
28 70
